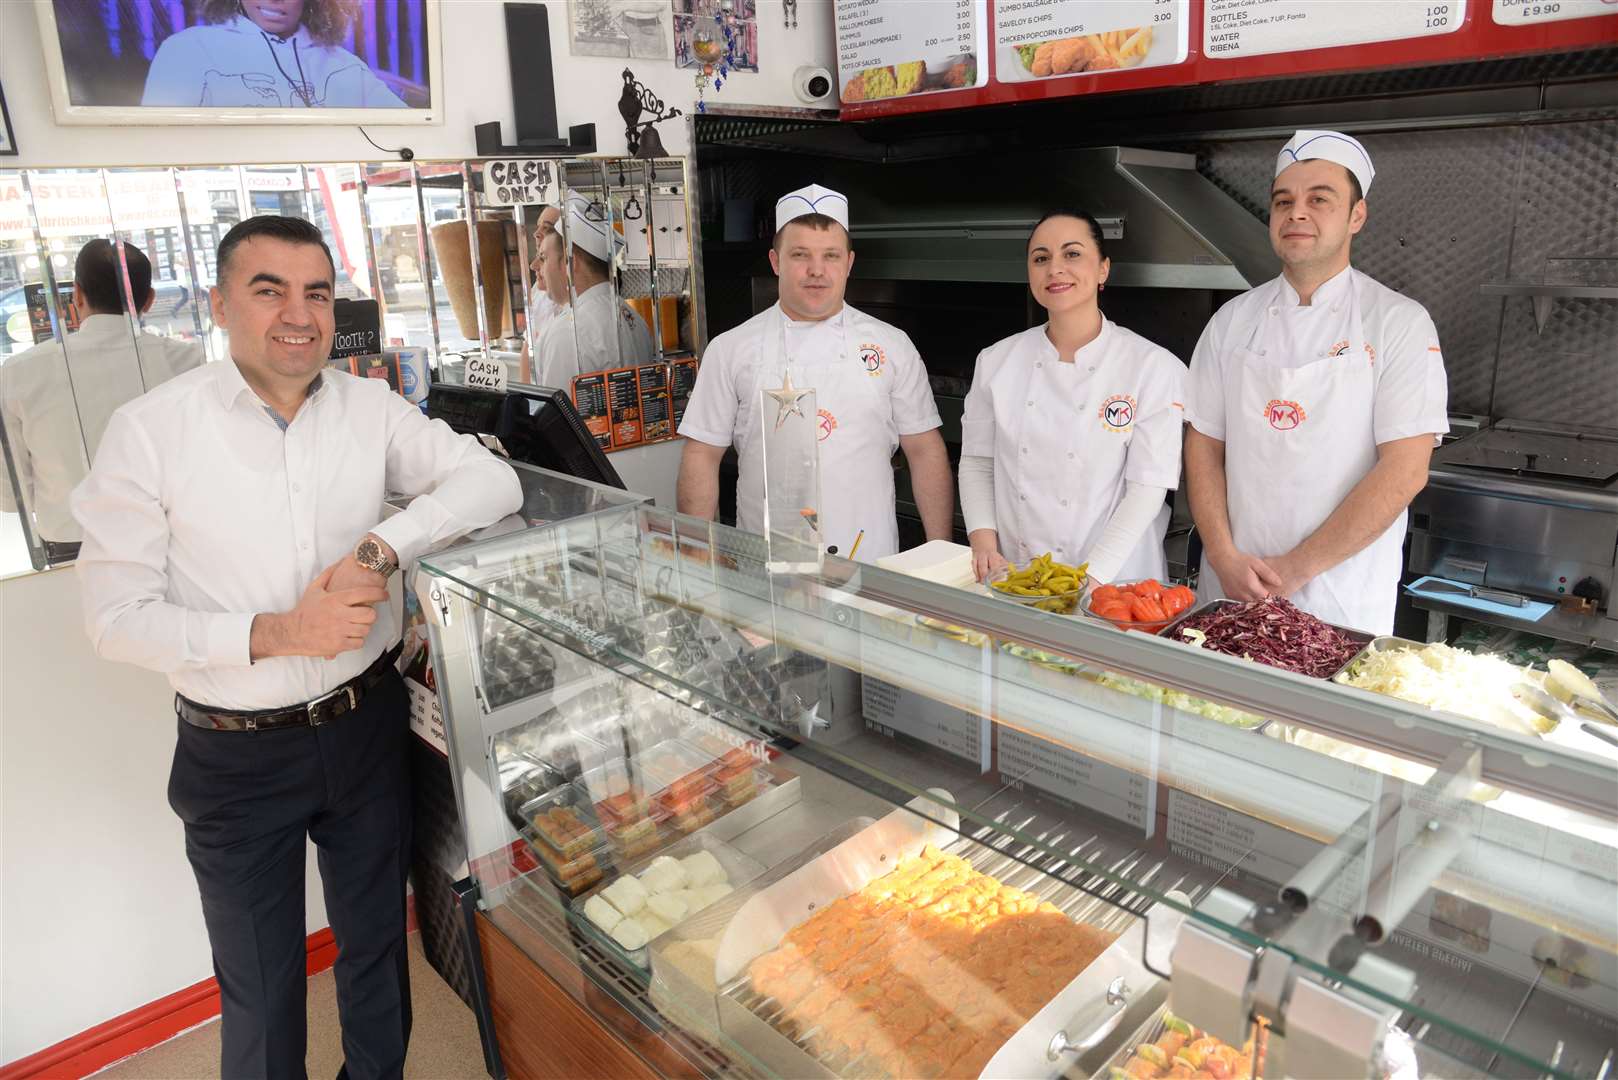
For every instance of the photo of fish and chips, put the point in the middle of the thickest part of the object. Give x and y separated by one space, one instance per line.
1112 50
915 77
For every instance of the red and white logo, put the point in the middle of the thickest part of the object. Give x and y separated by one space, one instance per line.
1118 412
828 424
1284 415
1339 349
872 357
1370 350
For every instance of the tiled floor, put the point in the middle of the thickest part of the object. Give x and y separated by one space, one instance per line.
443 1041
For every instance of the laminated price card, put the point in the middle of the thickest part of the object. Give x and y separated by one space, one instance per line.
895 48
1237 28
1049 39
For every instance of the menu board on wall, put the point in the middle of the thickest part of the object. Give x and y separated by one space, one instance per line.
1526 12
590 399
1049 39
897 48
1239 28
623 407
654 402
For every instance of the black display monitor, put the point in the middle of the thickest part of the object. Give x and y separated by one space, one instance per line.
537 425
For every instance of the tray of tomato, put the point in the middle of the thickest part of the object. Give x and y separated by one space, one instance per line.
1147 606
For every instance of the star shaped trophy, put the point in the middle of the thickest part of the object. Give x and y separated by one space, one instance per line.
791 428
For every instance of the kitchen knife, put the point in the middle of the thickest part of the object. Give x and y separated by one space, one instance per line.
1476 592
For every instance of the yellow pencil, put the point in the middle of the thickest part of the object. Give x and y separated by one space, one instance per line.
855 549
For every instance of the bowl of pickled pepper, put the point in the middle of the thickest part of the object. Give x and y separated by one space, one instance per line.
1148 605
1044 584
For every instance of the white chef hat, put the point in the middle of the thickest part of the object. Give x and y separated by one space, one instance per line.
813 199
588 229
1346 150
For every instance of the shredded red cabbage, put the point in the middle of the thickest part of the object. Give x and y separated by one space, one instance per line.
1272 631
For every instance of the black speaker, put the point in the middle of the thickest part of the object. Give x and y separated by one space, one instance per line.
533 91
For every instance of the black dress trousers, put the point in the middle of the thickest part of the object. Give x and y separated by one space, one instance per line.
248 799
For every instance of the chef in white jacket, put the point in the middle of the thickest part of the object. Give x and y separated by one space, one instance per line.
594 330
268 54
1315 401
870 386
1070 441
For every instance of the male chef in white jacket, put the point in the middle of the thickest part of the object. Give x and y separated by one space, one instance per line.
870 387
594 330
1314 403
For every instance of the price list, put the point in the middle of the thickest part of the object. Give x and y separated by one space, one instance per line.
1075 778
1237 28
891 710
1046 39
895 48
1527 12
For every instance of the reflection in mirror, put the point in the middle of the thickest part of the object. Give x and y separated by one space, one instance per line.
84 297
597 331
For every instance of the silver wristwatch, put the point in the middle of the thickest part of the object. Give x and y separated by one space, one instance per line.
370 554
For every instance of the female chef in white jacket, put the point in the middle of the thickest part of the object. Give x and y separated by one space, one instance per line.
1071 438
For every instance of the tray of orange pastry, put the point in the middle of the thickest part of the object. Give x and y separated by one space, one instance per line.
906 951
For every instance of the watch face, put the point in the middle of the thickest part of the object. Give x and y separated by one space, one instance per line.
369 554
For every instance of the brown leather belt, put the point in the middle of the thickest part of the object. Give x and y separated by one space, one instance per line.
322 710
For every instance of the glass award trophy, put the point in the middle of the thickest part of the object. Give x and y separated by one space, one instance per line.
790 420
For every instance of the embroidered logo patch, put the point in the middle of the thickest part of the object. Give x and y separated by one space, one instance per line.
873 358
1284 415
828 424
1370 350
1118 412
1339 349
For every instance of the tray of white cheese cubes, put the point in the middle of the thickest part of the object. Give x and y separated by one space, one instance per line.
633 908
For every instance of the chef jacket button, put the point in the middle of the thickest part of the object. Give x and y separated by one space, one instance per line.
1064 502
296 487
1070 455
1025 449
1272 311
304 546
1030 404
1091 368
1264 352
1024 498
1039 363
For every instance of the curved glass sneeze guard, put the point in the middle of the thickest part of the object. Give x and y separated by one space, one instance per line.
1132 769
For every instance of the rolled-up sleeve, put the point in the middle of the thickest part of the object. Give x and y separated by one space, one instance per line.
1153 457
123 567
914 409
1205 387
457 484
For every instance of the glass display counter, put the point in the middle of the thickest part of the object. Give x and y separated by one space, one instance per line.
852 823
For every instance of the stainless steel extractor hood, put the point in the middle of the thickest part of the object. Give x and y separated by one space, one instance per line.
968 219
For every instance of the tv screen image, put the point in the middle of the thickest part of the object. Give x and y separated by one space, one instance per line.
286 60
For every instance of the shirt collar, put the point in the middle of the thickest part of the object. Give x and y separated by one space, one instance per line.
102 325
231 385
1097 347
833 320
241 24
1330 291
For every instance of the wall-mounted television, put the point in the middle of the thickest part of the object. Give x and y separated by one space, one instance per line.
243 61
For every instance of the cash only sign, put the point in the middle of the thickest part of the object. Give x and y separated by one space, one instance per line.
519 182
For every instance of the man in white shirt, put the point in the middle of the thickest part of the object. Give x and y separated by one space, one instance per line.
594 331
233 540
1314 402
56 398
541 309
870 385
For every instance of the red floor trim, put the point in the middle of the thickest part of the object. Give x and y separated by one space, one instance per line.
145 1027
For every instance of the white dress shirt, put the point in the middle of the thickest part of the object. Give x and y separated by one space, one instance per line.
56 404
581 339
200 512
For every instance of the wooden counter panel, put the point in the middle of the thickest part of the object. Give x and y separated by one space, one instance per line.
545 1033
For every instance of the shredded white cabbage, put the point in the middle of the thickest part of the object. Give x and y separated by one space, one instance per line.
1175 699
1475 685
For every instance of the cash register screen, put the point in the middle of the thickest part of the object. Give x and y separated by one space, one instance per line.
537 425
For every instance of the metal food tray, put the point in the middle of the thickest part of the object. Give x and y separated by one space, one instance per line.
1172 630
1085 1013
1385 643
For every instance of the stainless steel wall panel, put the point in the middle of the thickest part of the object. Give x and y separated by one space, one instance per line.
1567 209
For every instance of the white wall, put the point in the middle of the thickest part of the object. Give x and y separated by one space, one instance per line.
98 909
478 90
